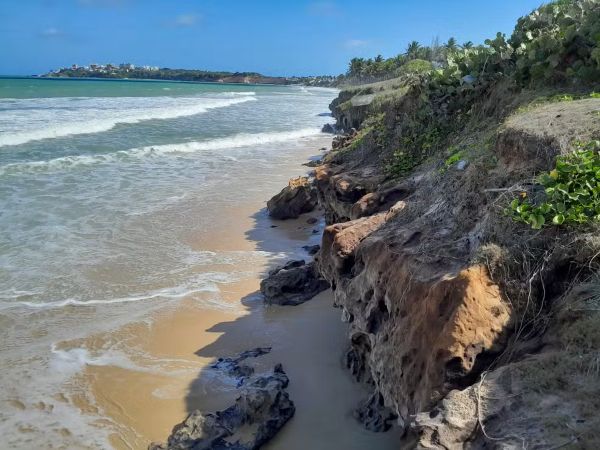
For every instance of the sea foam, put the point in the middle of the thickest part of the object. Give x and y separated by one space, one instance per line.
231 142
36 119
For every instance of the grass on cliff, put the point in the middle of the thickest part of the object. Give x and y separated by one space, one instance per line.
554 47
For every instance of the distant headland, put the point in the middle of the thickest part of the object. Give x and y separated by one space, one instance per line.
132 71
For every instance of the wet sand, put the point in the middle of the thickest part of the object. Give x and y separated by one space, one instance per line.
178 343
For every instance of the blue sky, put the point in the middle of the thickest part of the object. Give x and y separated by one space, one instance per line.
284 37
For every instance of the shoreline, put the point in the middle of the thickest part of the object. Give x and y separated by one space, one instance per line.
309 340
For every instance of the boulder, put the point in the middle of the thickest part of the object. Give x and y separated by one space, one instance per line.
292 284
329 128
298 197
233 368
311 249
260 411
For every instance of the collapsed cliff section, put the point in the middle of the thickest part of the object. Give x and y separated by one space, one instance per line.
446 295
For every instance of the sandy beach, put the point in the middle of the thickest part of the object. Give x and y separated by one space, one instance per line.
178 343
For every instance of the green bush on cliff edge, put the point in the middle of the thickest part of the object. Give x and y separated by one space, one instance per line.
572 191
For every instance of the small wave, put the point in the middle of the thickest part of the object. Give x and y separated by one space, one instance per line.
95 125
204 283
70 361
236 141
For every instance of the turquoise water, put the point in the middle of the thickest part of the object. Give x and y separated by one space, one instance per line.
100 183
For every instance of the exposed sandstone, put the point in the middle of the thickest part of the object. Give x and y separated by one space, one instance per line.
417 331
298 197
430 308
339 190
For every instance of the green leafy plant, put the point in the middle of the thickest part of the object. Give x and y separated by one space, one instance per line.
572 191
402 162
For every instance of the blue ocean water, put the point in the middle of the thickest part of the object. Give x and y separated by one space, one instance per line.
100 183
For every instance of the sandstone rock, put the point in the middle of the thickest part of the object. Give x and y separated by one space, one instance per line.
292 284
260 411
380 201
339 191
298 197
341 240
398 306
450 424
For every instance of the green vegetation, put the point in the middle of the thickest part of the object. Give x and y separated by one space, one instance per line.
140 73
456 155
572 191
440 91
558 42
416 58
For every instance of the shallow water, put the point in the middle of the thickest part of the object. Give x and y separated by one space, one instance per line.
107 193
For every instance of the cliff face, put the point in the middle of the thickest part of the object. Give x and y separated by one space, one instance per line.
440 286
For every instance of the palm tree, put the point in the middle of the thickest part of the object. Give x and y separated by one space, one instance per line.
356 67
451 45
468 45
412 50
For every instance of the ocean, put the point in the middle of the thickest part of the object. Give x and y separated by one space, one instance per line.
105 189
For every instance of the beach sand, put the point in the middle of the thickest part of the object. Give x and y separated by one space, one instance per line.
142 403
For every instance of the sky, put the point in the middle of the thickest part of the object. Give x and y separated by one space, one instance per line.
283 37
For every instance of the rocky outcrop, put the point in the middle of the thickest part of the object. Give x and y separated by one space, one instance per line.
298 197
351 108
417 330
233 368
260 411
292 284
438 284
339 190
329 128
541 401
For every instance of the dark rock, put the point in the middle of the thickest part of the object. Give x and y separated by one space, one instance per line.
329 128
312 220
232 367
341 141
298 197
311 249
292 284
325 114
273 226
260 411
374 415
315 231
313 163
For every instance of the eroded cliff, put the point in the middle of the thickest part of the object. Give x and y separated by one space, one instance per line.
447 296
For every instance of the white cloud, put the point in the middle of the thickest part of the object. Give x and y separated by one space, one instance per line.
356 43
186 20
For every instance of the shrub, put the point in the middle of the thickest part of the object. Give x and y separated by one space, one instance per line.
572 191
558 42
